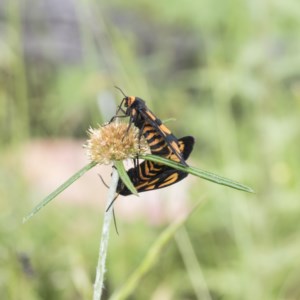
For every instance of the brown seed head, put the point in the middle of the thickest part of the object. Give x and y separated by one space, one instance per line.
113 142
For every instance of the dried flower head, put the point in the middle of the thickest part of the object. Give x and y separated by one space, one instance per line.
113 142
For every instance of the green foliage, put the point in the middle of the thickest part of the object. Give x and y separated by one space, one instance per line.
228 71
124 177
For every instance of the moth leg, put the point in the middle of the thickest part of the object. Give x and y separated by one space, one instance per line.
115 222
112 202
103 181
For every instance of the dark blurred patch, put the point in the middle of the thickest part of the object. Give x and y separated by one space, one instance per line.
238 108
180 46
26 265
50 31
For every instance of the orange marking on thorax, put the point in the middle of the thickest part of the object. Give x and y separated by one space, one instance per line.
130 100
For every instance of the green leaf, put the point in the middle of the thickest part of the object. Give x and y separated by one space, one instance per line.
198 172
152 256
124 177
60 189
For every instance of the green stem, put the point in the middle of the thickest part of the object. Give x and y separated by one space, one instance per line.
98 285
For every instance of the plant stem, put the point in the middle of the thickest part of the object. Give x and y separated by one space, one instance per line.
98 285
192 264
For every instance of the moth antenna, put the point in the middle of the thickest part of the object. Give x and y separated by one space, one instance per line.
120 90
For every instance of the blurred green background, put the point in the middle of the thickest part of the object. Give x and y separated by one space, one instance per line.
228 71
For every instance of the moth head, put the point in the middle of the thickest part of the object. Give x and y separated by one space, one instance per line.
128 101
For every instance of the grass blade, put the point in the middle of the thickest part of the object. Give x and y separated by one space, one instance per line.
151 257
200 173
60 189
124 176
